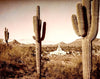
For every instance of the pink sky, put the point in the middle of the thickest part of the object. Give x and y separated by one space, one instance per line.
17 16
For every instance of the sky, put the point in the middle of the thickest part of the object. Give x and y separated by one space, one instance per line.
17 16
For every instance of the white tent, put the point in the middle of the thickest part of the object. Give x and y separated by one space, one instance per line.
59 51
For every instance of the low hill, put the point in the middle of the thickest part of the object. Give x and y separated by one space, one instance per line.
14 42
78 43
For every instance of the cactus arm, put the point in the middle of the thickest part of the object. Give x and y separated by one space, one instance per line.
5 34
8 35
95 19
75 24
34 38
80 17
43 31
87 5
35 22
36 28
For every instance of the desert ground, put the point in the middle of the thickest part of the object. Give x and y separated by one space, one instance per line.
17 61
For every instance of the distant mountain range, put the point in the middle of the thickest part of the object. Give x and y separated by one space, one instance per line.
14 42
76 43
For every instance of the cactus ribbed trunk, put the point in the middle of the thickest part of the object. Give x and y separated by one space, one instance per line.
38 38
38 58
86 58
88 14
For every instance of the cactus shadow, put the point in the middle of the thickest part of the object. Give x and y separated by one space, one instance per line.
85 20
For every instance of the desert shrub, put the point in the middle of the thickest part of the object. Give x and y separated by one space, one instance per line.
1 41
63 67
95 66
53 67
19 54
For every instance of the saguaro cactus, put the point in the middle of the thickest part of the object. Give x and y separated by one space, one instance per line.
6 34
37 30
85 24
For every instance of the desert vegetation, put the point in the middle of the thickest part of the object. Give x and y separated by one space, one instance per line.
19 62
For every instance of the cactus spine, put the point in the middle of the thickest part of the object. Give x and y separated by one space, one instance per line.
87 27
37 30
6 34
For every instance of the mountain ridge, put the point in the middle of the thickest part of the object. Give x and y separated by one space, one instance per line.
76 43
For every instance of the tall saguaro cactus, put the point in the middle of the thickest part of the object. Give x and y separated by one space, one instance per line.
37 30
6 34
85 25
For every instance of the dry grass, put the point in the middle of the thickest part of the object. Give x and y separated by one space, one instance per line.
64 67
18 62
14 57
